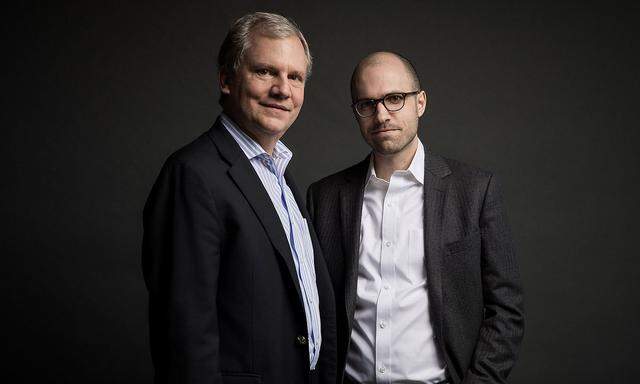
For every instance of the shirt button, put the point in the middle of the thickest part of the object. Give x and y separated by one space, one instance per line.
389 205
386 287
382 369
301 340
383 324
387 244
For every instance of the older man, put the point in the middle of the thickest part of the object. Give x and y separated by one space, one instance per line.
238 290
418 248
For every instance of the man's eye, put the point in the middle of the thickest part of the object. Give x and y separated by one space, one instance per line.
365 105
394 99
262 71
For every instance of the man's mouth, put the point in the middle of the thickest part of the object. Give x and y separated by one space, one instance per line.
384 130
276 106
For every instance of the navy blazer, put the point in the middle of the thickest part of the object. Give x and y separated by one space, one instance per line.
224 298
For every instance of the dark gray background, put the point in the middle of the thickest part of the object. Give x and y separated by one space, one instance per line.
96 95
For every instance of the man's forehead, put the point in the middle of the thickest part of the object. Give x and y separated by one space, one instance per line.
385 64
387 76
286 49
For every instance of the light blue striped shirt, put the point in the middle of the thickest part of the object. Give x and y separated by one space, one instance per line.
270 170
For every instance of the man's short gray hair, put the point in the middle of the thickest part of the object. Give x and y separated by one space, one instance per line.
238 38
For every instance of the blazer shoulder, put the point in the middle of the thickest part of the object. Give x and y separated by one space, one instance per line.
464 171
468 179
200 156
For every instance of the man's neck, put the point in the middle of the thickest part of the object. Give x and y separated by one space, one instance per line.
385 165
268 143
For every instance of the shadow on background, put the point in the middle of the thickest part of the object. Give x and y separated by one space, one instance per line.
99 94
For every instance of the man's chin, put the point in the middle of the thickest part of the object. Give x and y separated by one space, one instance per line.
385 150
384 147
273 125
388 146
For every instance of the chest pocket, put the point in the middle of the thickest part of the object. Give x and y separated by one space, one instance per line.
410 267
469 243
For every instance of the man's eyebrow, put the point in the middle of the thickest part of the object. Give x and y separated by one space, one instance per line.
392 92
297 73
381 97
263 65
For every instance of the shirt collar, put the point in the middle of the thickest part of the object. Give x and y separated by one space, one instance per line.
416 168
417 164
249 146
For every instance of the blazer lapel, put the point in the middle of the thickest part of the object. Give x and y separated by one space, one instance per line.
296 194
245 177
435 188
351 196
317 250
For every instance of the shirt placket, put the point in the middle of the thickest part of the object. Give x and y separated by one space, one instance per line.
387 291
301 266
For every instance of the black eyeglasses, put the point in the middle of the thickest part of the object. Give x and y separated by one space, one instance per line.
392 101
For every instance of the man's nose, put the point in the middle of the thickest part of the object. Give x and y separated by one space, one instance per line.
382 113
281 87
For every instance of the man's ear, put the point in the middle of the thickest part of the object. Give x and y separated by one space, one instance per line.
421 99
224 82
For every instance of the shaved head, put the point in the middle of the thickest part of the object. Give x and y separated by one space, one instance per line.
378 58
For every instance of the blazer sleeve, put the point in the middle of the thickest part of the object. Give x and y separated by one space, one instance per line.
503 326
180 260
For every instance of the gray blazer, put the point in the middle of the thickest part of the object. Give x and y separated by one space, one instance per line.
474 288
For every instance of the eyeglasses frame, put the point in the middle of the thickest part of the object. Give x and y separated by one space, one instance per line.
381 100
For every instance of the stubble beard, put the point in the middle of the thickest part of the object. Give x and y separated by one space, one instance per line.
391 146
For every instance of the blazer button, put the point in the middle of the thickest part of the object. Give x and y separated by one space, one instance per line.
301 340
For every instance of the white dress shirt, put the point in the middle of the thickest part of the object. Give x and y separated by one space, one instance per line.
392 338
270 170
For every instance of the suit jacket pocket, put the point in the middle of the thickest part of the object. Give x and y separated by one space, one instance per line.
462 277
470 241
241 378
